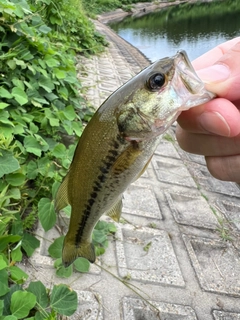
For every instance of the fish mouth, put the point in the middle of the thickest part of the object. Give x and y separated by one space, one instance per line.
190 88
189 91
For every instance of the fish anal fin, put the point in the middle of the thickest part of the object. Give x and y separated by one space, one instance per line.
115 211
71 252
61 199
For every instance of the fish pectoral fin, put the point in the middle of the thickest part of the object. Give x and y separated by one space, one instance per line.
115 211
71 252
127 158
61 199
144 168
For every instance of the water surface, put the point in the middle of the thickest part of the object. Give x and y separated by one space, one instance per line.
195 28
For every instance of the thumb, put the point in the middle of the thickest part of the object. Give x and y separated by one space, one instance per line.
223 77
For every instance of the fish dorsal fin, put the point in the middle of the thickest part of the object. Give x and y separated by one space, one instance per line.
61 199
115 211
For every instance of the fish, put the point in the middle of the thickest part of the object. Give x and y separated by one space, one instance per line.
117 145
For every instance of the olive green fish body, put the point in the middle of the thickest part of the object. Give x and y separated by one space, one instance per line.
100 172
118 143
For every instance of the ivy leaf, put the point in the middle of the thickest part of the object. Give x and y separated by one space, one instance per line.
32 145
39 290
46 213
61 271
1 307
20 95
16 254
15 179
8 163
17 274
63 300
3 263
3 282
3 105
69 113
59 151
29 243
21 303
32 170
46 83
5 93
82 264
55 249
6 239
44 29
50 61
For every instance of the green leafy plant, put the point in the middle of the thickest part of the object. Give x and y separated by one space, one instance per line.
100 240
40 104
37 302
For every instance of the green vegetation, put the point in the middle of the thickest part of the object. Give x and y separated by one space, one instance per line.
94 7
40 102
193 18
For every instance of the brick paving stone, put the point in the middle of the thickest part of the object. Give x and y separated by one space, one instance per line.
136 309
204 178
89 306
231 211
166 149
141 201
192 210
221 315
147 255
172 171
216 263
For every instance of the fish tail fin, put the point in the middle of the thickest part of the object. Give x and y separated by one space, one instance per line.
61 199
71 252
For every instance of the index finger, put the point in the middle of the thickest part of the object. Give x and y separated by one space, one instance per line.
212 56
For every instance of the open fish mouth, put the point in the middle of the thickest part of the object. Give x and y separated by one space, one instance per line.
188 85
186 88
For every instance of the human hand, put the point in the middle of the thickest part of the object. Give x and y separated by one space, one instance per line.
213 129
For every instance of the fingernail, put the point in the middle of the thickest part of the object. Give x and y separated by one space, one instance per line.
215 73
214 122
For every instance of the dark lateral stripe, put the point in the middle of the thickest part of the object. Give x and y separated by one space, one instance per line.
97 186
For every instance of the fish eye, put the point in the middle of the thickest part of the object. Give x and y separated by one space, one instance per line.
156 81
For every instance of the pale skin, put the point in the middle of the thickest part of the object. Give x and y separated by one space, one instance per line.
213 129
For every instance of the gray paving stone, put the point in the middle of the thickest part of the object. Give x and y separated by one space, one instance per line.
141 201
166 149
90 306
147 255
191 209
172 171
204 178
136 309
216 263
231 210
221 315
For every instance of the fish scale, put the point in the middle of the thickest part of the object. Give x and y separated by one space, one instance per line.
118 143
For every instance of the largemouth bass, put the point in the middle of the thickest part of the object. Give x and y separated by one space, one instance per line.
118 143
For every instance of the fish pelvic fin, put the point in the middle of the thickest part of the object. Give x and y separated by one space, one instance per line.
115 211
61 199
71 252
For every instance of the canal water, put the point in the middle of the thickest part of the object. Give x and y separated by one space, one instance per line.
195 28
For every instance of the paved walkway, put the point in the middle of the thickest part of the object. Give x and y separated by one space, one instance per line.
172 249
